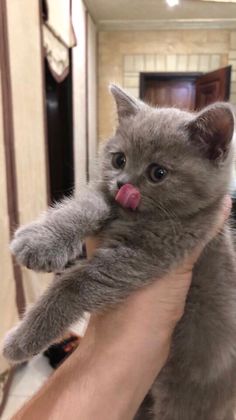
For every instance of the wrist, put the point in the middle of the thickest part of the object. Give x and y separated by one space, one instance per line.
122 368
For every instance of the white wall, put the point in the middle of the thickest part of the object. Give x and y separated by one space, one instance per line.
92 95
79 92
84 94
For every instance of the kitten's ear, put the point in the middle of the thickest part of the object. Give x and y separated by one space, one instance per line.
212 130
126 104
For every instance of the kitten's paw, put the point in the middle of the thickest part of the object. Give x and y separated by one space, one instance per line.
38 248
12 350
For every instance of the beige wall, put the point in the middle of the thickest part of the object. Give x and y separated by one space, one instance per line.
122 55
22 151
8 307
28 120
28 107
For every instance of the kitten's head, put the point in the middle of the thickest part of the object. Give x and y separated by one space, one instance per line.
179 161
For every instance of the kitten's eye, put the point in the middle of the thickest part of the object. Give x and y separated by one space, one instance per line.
156 173
118 160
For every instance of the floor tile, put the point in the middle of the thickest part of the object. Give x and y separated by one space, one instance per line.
26 382
29 378
13 404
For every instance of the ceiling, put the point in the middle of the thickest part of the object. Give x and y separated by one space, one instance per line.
119 14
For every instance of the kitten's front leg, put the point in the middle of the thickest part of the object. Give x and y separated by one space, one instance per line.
105 280
49 243
45 321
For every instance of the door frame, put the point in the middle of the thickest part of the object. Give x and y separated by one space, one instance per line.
228 71
165 76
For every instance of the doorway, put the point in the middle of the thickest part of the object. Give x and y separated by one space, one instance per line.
190 91
59 134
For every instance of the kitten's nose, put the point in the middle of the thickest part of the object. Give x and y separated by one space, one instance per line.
120 184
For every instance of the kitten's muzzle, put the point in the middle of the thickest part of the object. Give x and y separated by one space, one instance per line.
120 184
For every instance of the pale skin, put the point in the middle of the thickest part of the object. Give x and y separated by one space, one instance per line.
124 349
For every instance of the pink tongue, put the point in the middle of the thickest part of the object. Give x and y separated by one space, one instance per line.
128 196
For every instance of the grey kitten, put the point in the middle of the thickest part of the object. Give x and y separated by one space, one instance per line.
178 166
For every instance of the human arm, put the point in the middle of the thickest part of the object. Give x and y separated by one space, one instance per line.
107 377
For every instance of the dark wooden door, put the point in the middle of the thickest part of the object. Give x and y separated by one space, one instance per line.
212 87
169 89
59 134
185 90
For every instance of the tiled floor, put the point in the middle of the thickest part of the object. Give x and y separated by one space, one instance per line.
30 377
27 380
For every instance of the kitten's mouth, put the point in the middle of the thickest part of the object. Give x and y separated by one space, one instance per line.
128 197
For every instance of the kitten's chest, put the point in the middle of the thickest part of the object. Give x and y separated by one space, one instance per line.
142 229
161 243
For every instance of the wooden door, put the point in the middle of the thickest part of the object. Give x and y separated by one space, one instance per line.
213 87
169 89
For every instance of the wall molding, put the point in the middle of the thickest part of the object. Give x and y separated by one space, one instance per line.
44 105
167 24
134 64
12 195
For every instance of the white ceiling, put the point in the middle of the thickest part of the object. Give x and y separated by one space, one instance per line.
108 13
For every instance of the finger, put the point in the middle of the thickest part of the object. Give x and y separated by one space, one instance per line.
92 243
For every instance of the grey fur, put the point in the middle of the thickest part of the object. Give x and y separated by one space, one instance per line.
199 379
